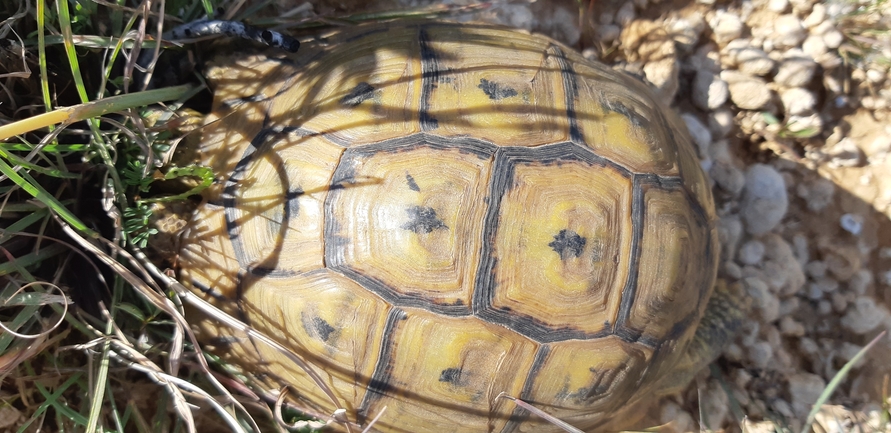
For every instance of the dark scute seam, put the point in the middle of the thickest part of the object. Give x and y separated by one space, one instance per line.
430 75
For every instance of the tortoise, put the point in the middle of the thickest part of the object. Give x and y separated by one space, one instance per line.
431 214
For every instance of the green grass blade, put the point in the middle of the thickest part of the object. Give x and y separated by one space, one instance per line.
93 109
27 183
830 388
30 259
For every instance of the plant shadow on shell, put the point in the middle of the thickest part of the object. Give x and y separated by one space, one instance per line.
306 148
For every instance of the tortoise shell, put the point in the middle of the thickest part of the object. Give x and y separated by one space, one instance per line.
431 214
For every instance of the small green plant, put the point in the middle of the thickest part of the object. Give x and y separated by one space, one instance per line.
789 130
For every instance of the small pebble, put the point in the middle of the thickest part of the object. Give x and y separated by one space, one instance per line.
826 284
846 153
702 137
824 307
790 327
789 306
778 6
839 302
732 270
761 354
805 389
727 175
748 93
860 282
817 16
720 122
726 27
864 315
798 101
804 126
676 417
715 405
829 61
753 61
733 352
852 223
843 262
686 31
875 76
788 31
729 231
751 252
833 39
607 32
765 303
817 193
779 253
741 377
808 346
795 71
663 74
709 91
814 46
764 202
625 14
848 351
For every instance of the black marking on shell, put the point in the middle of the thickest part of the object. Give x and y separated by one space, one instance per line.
466 145
414 300
567 244
485 285
519 414
629 294
262 144
496 91
362 92
380 384
630 289
236 102
451 375
571 92
320 328
423 219
412 185
640 122
430 76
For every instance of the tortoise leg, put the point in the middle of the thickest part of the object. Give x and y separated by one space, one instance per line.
723 317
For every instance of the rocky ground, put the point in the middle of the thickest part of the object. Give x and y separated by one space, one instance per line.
788 103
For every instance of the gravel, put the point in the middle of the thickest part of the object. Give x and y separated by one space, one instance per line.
764 200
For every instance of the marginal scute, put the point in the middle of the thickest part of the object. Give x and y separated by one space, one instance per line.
425 345
274 203
673 285
315 100
586 381
617 119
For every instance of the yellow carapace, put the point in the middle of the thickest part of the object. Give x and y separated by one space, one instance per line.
431 214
